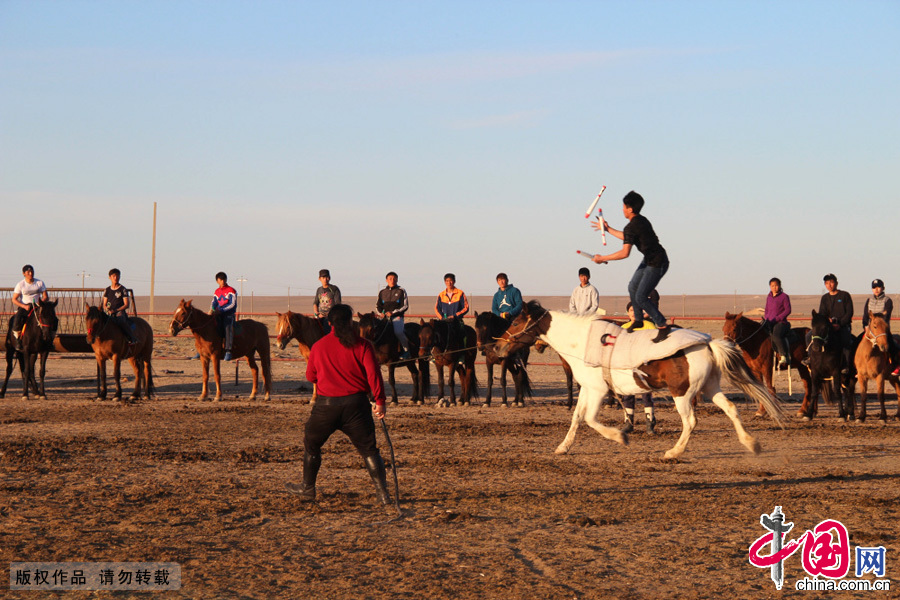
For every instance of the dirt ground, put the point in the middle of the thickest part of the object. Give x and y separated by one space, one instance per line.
489 511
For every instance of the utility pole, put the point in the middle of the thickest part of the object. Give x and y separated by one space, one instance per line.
83 274
153 268
241 279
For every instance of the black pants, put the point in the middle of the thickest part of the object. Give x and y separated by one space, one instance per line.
121 319
350 414
778 332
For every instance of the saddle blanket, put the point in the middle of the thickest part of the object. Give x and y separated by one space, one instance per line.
622 350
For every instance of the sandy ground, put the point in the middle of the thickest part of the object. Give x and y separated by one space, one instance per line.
489 511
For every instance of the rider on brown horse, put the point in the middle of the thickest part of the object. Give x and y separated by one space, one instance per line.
117 303
778 308
224 307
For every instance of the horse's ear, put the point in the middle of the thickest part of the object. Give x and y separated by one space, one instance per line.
476 314
277 314
728 315
358 315
739 315
53 303
422 322
188 303
87 306
814 315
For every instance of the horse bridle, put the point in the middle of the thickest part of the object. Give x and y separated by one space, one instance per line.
529 324
749 337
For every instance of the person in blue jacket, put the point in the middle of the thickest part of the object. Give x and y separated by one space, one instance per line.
507 300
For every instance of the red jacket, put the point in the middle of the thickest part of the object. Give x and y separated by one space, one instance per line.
340 371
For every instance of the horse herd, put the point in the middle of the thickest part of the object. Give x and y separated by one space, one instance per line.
449 345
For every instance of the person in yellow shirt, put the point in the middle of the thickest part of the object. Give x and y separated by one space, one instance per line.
646 398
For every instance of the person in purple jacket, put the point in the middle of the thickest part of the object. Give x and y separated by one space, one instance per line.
778 308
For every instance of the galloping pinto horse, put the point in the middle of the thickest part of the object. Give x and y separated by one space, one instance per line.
825 358
250 337
693 370
37 341
306 330
110 343
873 362
446 349
759 353
488 327
387 352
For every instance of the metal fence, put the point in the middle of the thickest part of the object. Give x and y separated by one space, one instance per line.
70 309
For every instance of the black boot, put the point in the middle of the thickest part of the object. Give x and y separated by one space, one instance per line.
629 424
307 488
651 423
375 467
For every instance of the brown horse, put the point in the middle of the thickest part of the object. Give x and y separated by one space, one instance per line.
306 330
110 343
759 353
387 352
488 327
37 341
454 349
250 337
873 362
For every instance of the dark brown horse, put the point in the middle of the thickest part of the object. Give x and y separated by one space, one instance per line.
451 345
387 352
873 362
306 330
825 365
489 327
37 342
110 343
250 338
759 353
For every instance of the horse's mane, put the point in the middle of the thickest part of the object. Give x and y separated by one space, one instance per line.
94 312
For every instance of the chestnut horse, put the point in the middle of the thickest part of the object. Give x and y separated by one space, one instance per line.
488 327
110 343
250 337
873 362
447 349
689 372
759 352
825 362
387 352
306 330
37 341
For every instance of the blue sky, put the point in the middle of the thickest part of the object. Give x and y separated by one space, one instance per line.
279 138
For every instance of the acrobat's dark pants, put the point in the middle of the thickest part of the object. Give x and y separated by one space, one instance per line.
642 284
778 332
350 414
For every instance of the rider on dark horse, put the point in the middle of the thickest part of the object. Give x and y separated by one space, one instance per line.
117 303
25 294
392 304
837 307
778 309
327 295
451 306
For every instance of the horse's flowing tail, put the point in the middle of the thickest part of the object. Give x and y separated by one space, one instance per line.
731 363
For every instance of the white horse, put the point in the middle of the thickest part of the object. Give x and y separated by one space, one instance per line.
693 369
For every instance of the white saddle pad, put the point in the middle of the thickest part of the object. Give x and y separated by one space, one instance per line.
612 347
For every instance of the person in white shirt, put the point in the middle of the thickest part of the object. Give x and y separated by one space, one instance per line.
585 298
24 295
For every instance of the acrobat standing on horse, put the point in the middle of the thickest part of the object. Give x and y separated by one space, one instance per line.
224 307
25 294
639 233
116 302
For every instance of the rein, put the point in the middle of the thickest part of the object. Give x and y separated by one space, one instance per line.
747 338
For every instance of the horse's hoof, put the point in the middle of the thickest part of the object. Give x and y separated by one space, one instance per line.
670 454
561 450
800 413
268 398
25 398
755 447
251 398
394 402
759 413
42 397
883 421
203 398
806 419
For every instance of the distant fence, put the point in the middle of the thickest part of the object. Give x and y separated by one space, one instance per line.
70 309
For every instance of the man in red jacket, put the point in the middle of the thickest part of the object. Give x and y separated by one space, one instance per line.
343 367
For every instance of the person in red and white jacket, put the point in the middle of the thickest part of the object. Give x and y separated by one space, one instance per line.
344 369
224 307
